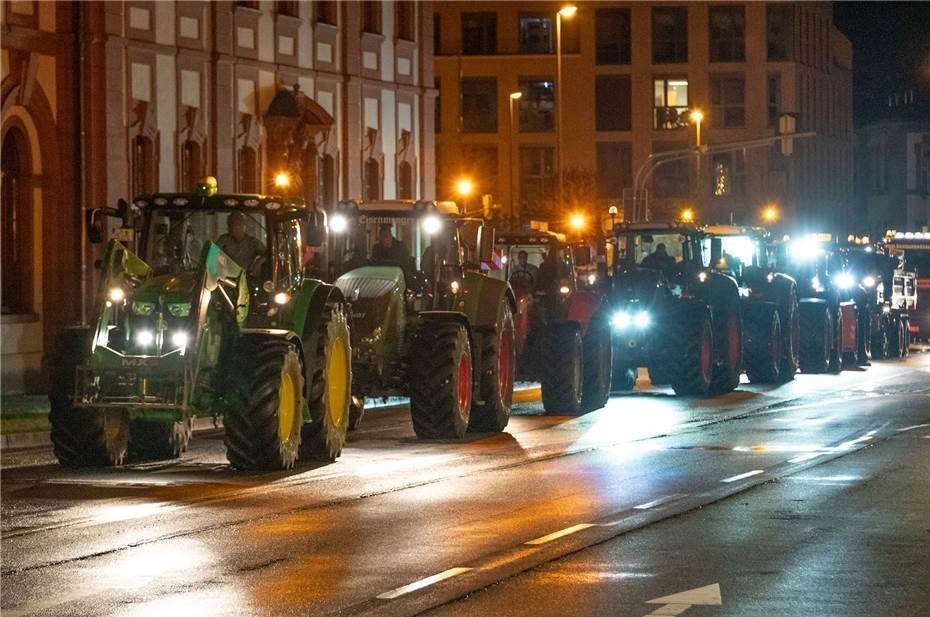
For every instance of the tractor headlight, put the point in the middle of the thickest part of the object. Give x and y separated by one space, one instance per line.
621 320
145 338
869 281
431 224
338 223
592 278
642 319
282 297
179 339
886 309
844 280
117 295
179 309
815 283
143 309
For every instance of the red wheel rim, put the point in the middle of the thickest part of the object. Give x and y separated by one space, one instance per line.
733 342
464 394
706 354
504 365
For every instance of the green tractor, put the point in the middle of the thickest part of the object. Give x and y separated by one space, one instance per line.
425 322
215 314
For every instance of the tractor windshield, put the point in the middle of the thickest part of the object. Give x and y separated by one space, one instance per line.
658 251
532 266
174 238
732 253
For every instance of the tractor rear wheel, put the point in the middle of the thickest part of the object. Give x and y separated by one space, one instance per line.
906 329
763 343
729 343
881 339
151 440
561 368
896 339
495 384
815 348
263 425
687 352
329 390
81 437
791 331
597 353
440 381
863 337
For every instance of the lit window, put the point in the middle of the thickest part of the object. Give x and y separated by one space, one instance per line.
671 103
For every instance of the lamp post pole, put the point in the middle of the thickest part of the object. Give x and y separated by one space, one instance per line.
514 96
567 11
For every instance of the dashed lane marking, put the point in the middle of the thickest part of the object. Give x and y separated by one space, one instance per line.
560 534
423 582
743 476
659 501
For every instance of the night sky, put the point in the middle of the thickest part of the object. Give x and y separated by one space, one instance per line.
891 53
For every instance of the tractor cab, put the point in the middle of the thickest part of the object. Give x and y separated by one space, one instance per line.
741 252
673 250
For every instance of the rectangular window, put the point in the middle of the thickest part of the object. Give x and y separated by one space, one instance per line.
774 98
670 103
612 34
405 12
614 168
536 34
727 33
479 34
728 100
779 31
728 173
479 105
537 179
537 105
286 7
669 34
371 16
612 103
437 35
326 11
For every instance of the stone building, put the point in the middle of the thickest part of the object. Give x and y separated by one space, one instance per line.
106 100
633 72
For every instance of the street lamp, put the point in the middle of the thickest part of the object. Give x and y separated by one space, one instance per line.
514 97
696 116
577 222
566 12
770 214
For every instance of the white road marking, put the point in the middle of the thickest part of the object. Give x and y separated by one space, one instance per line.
669 609
659 501
805 457
423 582
743 476
911 428
560 534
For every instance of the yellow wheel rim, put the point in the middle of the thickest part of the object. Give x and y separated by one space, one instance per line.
337 384
287 408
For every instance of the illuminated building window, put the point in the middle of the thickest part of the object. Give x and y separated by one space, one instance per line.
671 103
728 170
537 105
536 34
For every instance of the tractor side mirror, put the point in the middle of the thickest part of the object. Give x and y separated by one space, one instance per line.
316 228
485 244
581 255
96 225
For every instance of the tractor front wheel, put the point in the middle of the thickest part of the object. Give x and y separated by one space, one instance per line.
263 425
81 437
763 343
440 381
729 342
561 368
816 345
495 385
687 352
330 390
597 353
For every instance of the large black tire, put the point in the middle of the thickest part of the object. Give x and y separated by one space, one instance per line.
263 420
440 381
836 347
151 440
561 368
818 336
897 339
763 343
491 413
791 345
906 328
329 389
863 336
597 353
881 339
728 343
81 437
687 352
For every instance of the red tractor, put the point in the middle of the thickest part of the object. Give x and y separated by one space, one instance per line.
562 327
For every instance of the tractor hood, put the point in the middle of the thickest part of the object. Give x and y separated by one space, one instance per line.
640 284
376 294
173 287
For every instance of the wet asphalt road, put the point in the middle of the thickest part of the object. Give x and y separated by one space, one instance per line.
423 523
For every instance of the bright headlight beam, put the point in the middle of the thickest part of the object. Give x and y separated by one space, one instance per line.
117 294
431 224
145 337
642 319
869 281
621 320
179 339
338 223
844 280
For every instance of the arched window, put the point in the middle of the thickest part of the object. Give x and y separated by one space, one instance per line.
191 165
371 189
405 181
248 171
327 181
16 224
143 166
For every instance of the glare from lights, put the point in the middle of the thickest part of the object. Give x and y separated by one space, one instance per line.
815 283
179 339
577 221
282 180
464 187
687 215
564 289
568 11
145 338
696 116
621 320
702 276
642 319
504 259
805 249
282 297
770 214
117 295
516 95
338 223
454 286
869 281
431 224
592 278
886 309
844 280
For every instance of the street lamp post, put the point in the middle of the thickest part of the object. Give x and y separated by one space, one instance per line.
566 12
514 97
464 188
696 117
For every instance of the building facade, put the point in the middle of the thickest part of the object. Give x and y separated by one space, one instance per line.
632 74
106 100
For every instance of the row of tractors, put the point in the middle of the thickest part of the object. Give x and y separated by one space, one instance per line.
283 319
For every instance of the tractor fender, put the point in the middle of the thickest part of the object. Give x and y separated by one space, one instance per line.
309 304
718 292
483 295
581 306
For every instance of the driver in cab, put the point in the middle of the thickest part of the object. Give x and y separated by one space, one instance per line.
524 270
660 260
388 247
242 247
